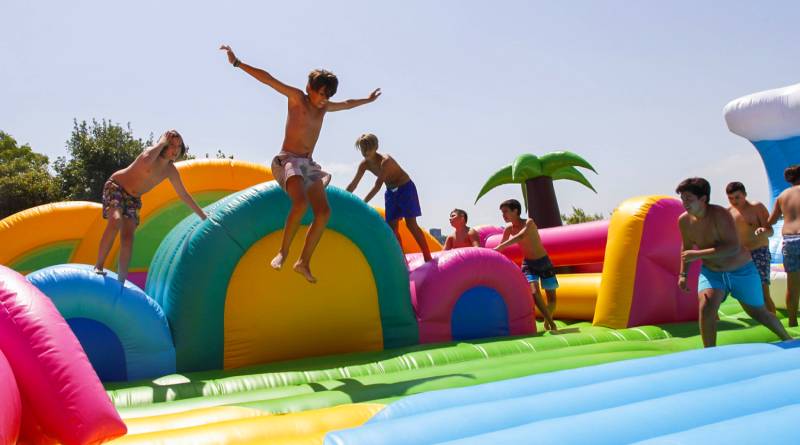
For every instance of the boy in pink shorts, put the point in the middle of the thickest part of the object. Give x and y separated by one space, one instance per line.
294 168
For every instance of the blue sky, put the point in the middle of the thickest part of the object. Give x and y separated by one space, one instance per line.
637 88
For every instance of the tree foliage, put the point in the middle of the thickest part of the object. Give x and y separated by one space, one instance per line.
25 180
580 216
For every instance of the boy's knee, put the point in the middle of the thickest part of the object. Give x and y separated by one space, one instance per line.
115 220
299 204
322 212
411 223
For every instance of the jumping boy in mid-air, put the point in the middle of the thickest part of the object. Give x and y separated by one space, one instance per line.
401 193
788 205
122 196
709 234
464 236
536 265
294 168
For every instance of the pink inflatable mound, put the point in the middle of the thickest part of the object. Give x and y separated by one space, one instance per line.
10 405
62 396
469 293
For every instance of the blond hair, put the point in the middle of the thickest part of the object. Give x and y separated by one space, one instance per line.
367 141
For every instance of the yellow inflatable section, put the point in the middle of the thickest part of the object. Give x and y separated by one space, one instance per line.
407 241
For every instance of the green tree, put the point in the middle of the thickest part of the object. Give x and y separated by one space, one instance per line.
25 180
96 151
536 175
580 216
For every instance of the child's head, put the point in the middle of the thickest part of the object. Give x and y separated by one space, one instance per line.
175 148
322 85
511 209
367 143
458 218
692 191
792 174
737 195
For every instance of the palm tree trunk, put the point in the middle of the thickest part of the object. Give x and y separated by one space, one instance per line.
542 202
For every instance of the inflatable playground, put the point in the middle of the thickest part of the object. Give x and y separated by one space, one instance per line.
207 344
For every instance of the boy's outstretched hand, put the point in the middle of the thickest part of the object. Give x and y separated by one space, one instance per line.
374 95
231 55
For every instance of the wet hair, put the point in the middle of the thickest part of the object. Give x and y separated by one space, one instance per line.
734 187
697 186
512 204
792 174
367 141
461 213
323 78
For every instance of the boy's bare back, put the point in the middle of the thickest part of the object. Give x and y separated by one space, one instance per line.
789 202
387 168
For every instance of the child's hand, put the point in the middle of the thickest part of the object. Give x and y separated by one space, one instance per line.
374 95
231 55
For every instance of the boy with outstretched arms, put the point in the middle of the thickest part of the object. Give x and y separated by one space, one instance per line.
751 219
122 196
788 205
401 199
709 234
294 168
536 265
464 236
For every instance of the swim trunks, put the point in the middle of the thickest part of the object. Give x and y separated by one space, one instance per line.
286 165
540 269
116 197
402 202
743 284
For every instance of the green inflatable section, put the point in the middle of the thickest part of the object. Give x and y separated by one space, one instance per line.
386 375
191 289
150 234
55 253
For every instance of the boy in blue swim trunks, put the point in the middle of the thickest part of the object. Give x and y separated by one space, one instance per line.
754 231
536 265
709 234
401 193
788 205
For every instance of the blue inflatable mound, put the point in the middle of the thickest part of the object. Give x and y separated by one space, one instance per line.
620 402
124 332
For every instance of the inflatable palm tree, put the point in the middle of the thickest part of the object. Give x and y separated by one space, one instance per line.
536 175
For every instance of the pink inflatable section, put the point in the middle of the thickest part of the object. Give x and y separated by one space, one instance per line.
10 405
437 286
62 397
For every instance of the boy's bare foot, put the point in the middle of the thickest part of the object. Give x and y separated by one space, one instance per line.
277 262
303 270
99 271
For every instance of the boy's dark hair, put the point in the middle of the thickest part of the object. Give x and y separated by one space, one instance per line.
697 186
792 174
512 204
460 212
323 78
734 187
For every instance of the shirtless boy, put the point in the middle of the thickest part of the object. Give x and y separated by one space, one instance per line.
122 196
464 236
751 218
294 168
709 234
788 205
536 265
401 199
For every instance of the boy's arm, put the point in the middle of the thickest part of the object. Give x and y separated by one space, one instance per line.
375 188
776 212
352 103
261 75
362 167
177 184
507 241
448 243
474 238
153 151
763 221
687 245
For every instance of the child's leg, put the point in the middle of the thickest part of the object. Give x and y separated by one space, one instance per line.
792 294
768 319
710 299
768 303
125 248
551 300
322 213
411 223
294 188
113 226
394 225
549 324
